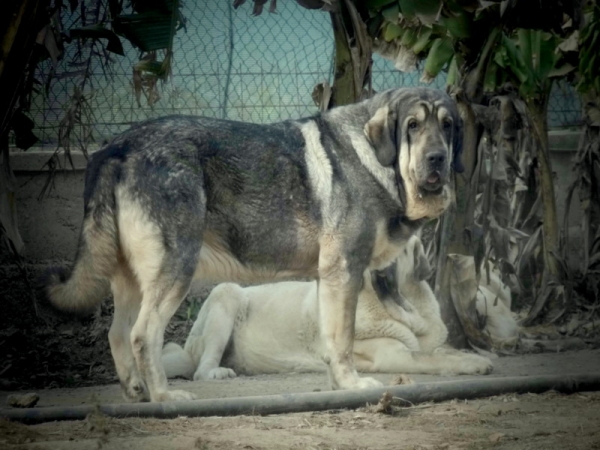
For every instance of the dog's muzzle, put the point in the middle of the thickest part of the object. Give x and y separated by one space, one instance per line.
436 172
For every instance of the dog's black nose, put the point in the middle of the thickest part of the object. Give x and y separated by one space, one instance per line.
436 159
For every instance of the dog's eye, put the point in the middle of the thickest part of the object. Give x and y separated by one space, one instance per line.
413 125
446 124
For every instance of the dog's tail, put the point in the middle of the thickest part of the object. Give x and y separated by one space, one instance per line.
82 288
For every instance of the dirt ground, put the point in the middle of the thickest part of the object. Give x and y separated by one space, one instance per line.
66 361
527 421
519 422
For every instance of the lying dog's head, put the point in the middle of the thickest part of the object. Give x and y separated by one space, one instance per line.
413 262
420 131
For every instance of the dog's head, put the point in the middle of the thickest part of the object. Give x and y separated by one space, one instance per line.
420 130
413 262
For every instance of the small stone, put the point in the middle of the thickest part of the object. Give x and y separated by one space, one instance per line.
23 400
402 379
496 437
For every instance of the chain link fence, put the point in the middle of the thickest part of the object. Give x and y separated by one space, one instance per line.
228 64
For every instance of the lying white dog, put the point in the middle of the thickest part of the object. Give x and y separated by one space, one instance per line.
274 328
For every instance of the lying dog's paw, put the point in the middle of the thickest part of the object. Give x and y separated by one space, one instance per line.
477 364
171 347
361 383
418 325
176 395
367 383
218 373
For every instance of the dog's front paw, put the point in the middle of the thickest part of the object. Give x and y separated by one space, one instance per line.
176 395
134 390
477 364
360 383
367 383
218 373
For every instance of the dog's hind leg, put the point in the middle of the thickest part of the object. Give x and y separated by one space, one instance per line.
387 328
383 354
127 301
391 356
212 331
160 302
162 248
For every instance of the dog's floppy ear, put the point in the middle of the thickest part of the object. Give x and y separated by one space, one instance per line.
422 268
457 140
381 132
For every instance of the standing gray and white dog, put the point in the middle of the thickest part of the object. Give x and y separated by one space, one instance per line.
182 198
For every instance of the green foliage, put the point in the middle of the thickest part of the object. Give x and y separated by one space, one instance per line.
439 55
526 59
450 35
459 25
377 5
589 62
392 31
390 13
426 11
428 28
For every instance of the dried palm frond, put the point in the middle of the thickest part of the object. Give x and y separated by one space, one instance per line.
76 126
587 184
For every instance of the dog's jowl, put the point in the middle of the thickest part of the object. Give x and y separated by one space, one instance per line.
182 198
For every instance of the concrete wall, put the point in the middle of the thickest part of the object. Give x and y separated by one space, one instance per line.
50 227
563 147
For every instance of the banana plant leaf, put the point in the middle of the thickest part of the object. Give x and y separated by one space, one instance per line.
390 13
427 11
376 5
147 31
515 60
423 40
439 55
391 31
459 25
98 31
539 53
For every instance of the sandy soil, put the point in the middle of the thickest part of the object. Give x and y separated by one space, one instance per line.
527 421
524 421
67 361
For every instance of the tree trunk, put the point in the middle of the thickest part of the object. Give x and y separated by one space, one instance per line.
550 225
21 22
353 51
458 233
456 223
550 229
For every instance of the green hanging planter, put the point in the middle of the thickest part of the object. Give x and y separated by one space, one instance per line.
148 31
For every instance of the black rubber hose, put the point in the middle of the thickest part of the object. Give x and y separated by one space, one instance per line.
316 401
